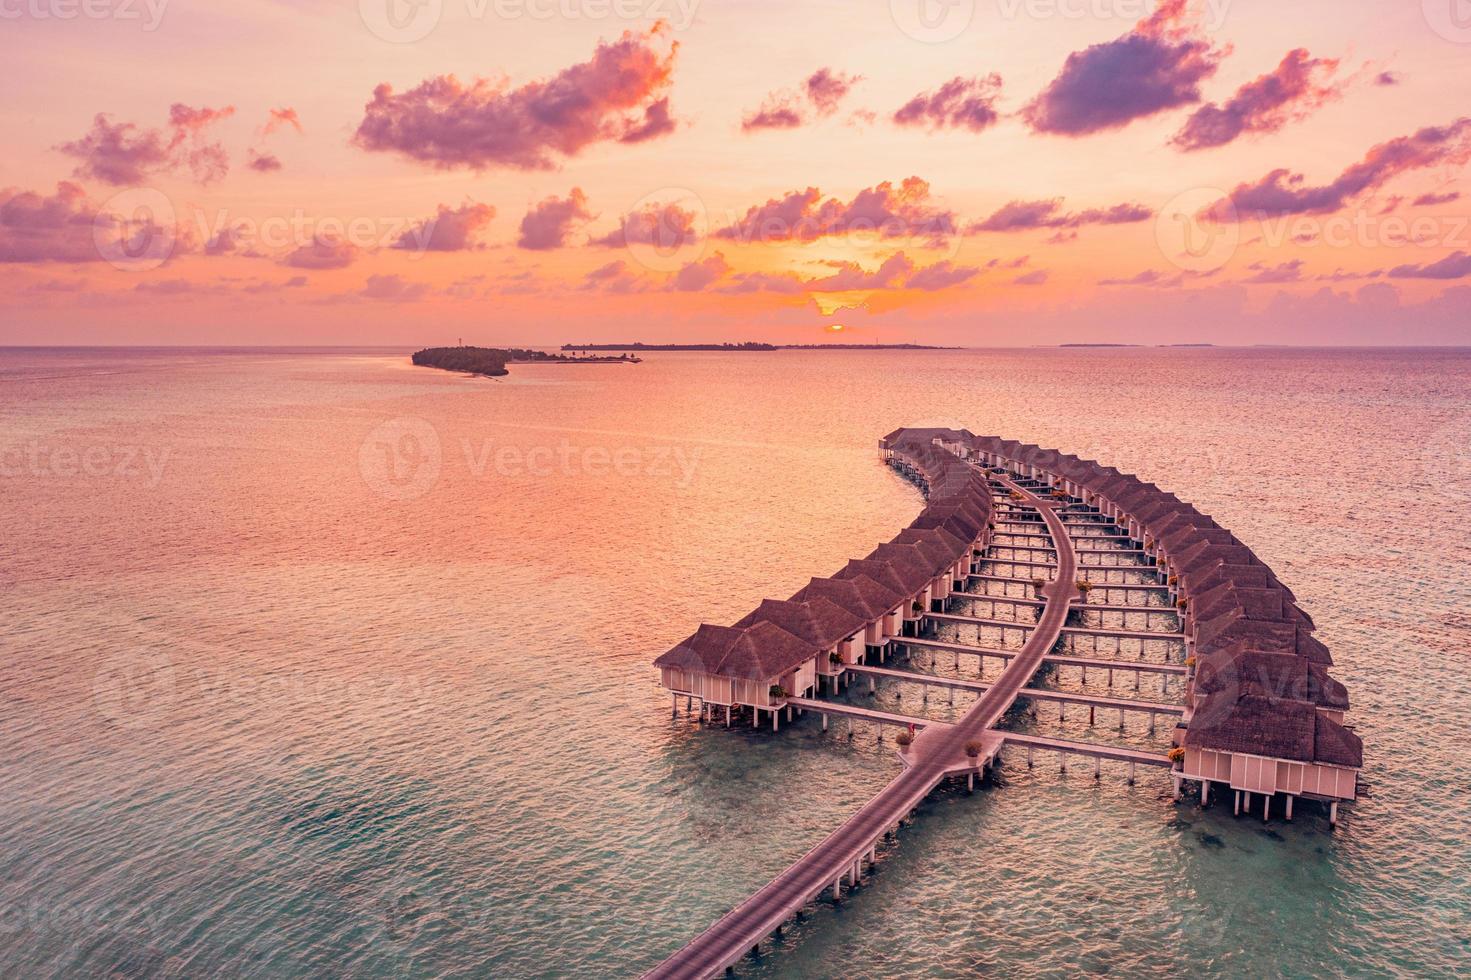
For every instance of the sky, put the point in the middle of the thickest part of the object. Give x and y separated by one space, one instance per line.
960 172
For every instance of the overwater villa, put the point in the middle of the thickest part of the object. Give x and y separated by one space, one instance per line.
1258 712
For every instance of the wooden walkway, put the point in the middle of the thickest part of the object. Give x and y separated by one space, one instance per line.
1061 659
1035 693
936 752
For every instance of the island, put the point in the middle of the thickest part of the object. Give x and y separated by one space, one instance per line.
491 362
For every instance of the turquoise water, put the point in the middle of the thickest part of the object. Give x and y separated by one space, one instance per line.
318 664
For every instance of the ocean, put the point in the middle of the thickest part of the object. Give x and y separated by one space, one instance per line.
316 663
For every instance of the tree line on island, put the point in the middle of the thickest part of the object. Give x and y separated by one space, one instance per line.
491 361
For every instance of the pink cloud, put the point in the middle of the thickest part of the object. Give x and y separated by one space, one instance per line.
393 289
550 221
827 88
1457 265
284 116
1282 272
696 276
264 162
618 95
1034 278
67 227
1286 94
1156 66
1283 192
961 103
322 253
1029 215
821 92
883 209
1434 199
664 226
449 230
125 153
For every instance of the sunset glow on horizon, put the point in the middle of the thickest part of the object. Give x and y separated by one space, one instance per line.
525 172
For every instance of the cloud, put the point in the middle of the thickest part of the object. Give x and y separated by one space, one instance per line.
665 226
1149 277
1457 265
882 210
614 277
549 222
1387 78
323 252
1156 66
393 289
262 286
174 287
941 275
264 162
284 116
961 103
788 283
616 96
1433 199
1290 271
657 122
821 92
1283 192
898 271
1286 94
125 153
1034 278
1029 215
67 227
449 230
1156 279
695 276
826 89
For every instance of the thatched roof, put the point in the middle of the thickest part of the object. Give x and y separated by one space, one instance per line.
819 621
762 652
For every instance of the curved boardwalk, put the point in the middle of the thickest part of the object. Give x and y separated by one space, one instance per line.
938 751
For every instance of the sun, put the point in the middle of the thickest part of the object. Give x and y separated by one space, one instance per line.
835 328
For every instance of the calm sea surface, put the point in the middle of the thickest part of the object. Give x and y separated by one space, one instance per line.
315 663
